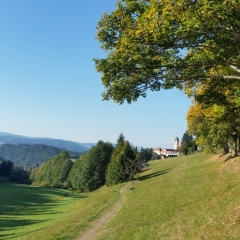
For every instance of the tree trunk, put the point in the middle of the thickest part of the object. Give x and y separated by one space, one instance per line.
225 148
238 144
234 147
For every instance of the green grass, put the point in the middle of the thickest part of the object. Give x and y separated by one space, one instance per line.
181 198
28 212
189 197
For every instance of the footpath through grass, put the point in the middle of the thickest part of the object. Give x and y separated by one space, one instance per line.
189 197
193 197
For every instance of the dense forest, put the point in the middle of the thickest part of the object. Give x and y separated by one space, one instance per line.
31 155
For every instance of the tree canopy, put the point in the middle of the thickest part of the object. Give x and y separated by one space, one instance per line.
91 168
187 144
156 44
124 164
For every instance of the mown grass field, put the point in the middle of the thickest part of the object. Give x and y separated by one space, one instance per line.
28 212
193 197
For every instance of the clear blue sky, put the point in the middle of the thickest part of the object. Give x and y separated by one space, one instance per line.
49 86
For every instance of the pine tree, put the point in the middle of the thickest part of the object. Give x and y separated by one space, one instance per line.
123 162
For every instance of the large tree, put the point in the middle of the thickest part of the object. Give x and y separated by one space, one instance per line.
125 163
88 172
94 169
155 44
215 126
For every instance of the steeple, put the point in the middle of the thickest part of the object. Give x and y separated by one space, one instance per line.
176 143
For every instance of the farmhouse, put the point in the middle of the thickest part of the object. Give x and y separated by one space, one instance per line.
166 152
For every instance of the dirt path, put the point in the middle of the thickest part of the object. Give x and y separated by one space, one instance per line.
90 233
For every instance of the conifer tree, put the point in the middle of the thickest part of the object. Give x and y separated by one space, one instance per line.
123 161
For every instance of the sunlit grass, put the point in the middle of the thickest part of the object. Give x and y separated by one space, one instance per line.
28 212
181 198
191 197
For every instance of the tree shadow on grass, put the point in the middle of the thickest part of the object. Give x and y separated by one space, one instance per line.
145 169
20 206
7 235
17 197
156 174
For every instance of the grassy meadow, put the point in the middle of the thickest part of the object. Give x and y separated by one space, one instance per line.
28 212
192 197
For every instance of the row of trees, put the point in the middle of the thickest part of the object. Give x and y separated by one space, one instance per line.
13 173
190 45
103 164
214 118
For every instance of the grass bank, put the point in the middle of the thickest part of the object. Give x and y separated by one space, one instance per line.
193 197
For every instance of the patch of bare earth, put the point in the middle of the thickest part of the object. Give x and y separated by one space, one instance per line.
92 232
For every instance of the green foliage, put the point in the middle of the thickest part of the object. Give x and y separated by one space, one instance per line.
146 154
65 169
19 175
91 170
190 45
164 44
13 173
75 175
125 162
30 155
5 168
54 172
187 144
213 118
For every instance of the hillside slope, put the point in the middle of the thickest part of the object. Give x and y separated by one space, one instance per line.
193 197
190 197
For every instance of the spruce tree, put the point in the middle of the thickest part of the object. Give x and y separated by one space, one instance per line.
123 163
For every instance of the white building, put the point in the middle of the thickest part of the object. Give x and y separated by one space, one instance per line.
166 152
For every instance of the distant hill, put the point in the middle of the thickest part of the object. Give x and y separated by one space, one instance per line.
8 138
30 155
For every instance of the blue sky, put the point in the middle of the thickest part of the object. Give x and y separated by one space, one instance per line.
49 86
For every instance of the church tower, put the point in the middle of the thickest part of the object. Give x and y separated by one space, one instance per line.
176 143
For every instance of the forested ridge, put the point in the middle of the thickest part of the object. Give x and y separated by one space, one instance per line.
31 155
